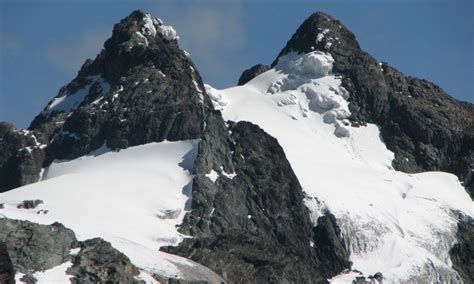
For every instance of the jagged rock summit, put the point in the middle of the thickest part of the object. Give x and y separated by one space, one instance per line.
282 179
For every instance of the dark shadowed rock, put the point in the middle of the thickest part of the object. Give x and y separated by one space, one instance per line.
33 247
462 253
251 224
7 273
29 204
28 279
21 157
252 72
328 243
99 262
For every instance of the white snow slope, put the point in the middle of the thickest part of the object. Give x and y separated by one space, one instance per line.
133 198
399 224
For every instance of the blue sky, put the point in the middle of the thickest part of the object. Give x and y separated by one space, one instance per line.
44 43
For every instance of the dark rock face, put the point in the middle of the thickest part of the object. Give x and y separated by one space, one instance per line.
141 88
7 274
33 247
252 72
420 123
462 253
254 227
21 157
99 262
328 243
29 247
29 204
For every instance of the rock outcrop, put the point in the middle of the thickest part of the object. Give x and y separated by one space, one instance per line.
28 247
462 253
99 262
251 73
21 157
33 247
248 218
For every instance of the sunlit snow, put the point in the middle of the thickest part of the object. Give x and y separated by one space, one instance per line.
399 224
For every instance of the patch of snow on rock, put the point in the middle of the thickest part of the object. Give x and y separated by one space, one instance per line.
213 175
168 32
216 97
148 26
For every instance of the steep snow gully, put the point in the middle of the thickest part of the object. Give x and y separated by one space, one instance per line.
125 148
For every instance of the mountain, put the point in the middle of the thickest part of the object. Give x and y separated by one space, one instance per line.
324 166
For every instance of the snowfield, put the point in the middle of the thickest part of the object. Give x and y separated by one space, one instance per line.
133 198
402 225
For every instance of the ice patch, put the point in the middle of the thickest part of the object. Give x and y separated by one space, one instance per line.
148 26
216 97
168 32
213 175
70 101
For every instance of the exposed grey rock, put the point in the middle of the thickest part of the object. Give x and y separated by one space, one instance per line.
425 128
254 227
28 279
34 247
462 253
7 273
21 157
99 262
252 72
30 204
329 244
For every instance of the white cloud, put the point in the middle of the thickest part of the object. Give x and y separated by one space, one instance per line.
68 56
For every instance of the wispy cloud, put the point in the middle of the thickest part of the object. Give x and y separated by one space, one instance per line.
212 31
68 56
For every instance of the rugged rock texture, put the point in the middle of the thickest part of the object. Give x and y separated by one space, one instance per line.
427 129
462 253
251 73
141 88
253 227
21 157
33 247
99 262
329 245
7 274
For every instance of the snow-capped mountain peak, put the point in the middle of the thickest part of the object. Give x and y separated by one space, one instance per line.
324 166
